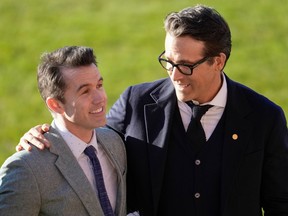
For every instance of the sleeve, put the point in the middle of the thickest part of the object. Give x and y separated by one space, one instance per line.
19 194
275 170
117 114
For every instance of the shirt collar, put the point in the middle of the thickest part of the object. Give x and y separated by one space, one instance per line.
221 97
76 145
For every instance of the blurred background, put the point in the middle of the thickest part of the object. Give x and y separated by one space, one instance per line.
127 37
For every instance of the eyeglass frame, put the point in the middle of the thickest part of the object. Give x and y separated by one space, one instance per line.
190 66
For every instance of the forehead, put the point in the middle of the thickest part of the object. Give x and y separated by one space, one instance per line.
183 47
78 76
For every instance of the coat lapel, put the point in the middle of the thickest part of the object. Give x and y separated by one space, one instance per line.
158 120
158 114
73 173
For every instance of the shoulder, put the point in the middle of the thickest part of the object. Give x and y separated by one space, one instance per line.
35 159
106 133
147 87
109 138
25 163
252 97
242 97
112 142
27 156
149 92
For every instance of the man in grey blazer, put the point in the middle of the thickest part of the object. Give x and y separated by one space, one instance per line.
60 180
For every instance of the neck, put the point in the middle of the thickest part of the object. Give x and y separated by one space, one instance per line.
214 90
85 134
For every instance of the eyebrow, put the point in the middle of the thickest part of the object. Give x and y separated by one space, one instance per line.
182 61
84 85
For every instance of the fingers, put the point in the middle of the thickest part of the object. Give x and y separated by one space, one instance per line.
45 127
34 137
19 148
23 144
31 139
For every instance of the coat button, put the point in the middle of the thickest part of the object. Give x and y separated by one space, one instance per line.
197 195
197 162
235 136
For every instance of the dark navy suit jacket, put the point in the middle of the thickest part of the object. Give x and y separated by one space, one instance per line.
255 150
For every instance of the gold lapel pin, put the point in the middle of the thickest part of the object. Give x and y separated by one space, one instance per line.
235 136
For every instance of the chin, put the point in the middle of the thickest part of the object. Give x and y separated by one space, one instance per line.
181 97
101 123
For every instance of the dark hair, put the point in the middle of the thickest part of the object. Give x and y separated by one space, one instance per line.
49 76
204 24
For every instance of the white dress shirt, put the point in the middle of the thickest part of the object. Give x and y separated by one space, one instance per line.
77 147
211 118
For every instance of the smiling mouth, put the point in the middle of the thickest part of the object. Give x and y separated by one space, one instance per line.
183 86
97 110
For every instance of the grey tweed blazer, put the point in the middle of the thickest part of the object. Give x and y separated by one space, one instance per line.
51 182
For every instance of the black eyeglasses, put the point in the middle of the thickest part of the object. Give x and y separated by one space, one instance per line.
186 69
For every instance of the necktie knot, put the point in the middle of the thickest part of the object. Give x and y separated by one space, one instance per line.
90 151
197 110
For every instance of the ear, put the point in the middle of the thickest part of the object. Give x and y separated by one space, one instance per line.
220 61
54 105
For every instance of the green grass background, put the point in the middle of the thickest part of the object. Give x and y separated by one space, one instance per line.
127 37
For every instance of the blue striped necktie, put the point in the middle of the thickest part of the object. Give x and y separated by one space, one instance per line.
102 193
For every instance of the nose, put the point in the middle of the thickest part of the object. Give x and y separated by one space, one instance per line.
98 96
175 74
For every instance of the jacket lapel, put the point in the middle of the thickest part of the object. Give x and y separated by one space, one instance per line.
73 173
156 114
158 120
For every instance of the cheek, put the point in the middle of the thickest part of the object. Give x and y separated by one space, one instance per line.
205 74
103 96
71 109
75 107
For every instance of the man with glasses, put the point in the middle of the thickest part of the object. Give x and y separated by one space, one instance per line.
197 142
184 68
